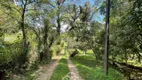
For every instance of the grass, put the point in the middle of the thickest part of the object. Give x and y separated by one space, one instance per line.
61 70
89 69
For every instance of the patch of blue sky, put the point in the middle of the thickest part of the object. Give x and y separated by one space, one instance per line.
97 16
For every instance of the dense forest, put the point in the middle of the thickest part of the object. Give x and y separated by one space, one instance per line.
70 39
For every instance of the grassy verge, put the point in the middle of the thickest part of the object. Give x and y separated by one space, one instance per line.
89 69
61 70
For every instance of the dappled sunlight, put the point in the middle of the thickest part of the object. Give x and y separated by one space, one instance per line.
90 69
70 39
84 66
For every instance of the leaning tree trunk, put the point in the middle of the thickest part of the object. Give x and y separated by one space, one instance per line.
74 53
106 37
37 33
139 57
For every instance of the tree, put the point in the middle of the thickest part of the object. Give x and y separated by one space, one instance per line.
106 52
124 31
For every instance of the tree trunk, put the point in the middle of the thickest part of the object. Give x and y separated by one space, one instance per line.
23 28
96 56
23 60
85 52
106 37
74 53
125 55
128 70
2 75
37 33
139 57
58 21
51 42
45 55
58 25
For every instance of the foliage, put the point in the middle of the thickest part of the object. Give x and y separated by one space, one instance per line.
125 30
11 56
32 31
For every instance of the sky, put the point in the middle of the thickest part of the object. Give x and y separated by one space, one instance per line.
97 17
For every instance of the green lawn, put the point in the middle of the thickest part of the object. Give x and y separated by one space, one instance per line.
61 70
89 69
